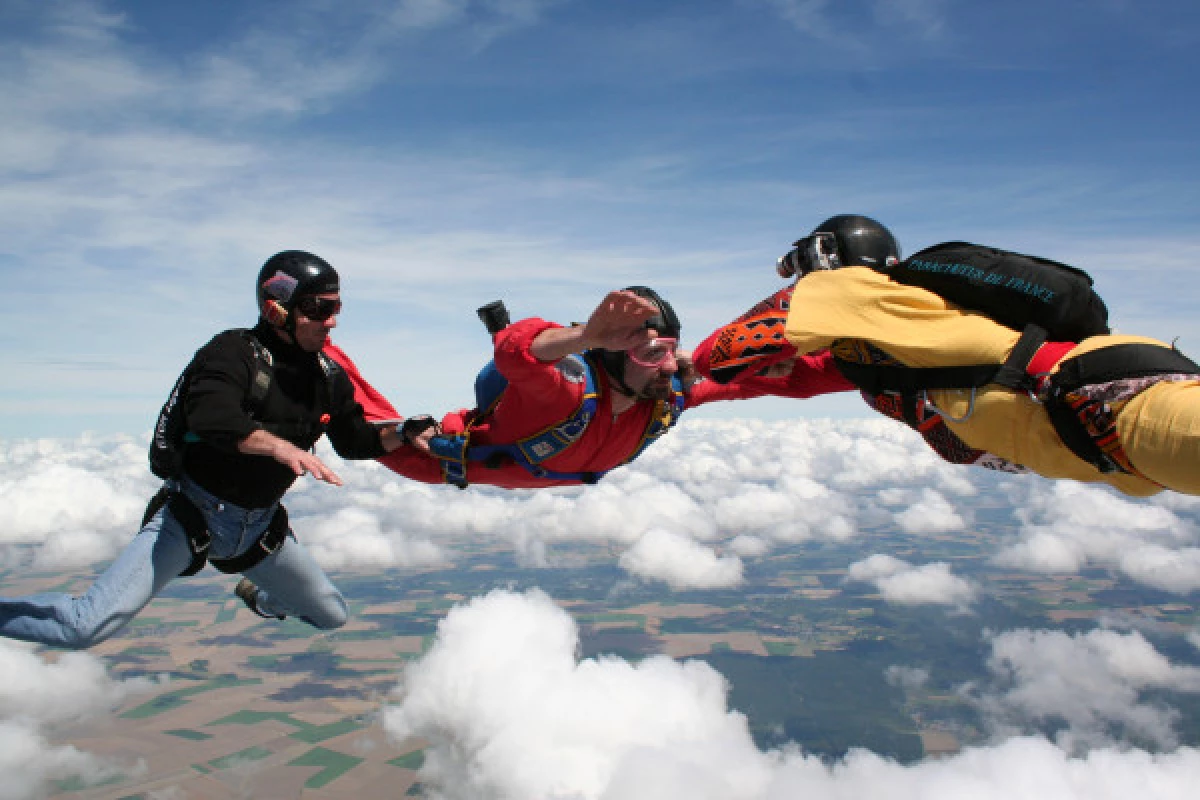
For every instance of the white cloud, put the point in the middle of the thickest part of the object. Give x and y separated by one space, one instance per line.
903 584
510 713
749 546
931 514
681 562
37 698
1067 526
354 537
1093 681
76 501
907 678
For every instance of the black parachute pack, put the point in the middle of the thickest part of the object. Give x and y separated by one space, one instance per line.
1041 299
170 429
1013 289
1045 301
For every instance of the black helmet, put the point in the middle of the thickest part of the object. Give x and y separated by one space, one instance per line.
847 240
666 322
287 276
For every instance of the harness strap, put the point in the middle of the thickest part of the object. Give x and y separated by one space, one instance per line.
1070 413
1014 372
268 544
910 382
454 452
191 519
875 379
260 386
666 414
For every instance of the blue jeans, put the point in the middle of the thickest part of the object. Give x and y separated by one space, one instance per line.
289 581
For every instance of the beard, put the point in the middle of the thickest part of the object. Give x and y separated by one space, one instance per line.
656 390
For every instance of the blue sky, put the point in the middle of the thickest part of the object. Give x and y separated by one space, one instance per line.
444 153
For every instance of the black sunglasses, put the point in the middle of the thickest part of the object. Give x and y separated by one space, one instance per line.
318 309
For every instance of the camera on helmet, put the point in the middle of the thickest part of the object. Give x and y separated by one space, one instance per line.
494 316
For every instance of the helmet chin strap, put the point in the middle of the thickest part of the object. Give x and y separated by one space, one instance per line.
619 386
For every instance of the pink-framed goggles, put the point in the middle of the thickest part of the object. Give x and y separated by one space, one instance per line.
653 353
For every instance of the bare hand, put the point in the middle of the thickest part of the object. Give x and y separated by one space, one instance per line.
302 461
262 443
618 322
780 369
686 368
389 437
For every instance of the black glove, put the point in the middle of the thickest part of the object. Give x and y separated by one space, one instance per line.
415 426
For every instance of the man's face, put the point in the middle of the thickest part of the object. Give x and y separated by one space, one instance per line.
312 331
652 383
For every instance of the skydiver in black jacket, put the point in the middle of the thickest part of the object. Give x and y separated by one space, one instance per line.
233 437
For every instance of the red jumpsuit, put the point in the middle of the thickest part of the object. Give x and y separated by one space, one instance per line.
538 396
735 353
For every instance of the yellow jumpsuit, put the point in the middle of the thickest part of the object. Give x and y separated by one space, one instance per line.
1159 428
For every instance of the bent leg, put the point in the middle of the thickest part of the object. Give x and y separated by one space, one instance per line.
291 583
156 555
1160 431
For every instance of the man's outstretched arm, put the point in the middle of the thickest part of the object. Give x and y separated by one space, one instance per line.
616 324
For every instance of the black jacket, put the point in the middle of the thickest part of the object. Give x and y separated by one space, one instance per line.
220 414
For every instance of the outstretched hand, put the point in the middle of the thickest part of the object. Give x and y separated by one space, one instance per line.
618 322
262 443
302 461
418 430
686 368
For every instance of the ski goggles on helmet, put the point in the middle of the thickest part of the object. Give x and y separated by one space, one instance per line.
318 309
818 251
653 353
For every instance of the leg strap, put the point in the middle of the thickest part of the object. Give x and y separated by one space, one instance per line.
271 540
189 518
1087 427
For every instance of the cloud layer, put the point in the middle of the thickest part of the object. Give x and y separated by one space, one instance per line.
39 698
1094 682
510 712
1067 527
691 512
903 584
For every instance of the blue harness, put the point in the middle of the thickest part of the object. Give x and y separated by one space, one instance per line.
455 452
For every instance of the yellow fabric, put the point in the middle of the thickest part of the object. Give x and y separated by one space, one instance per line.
1160 428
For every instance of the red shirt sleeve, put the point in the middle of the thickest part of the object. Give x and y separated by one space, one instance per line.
812 375
532 384
749 344
736 354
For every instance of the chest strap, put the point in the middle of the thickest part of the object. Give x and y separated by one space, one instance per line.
455 452
910 382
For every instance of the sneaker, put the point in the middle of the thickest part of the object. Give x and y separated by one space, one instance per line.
248 593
